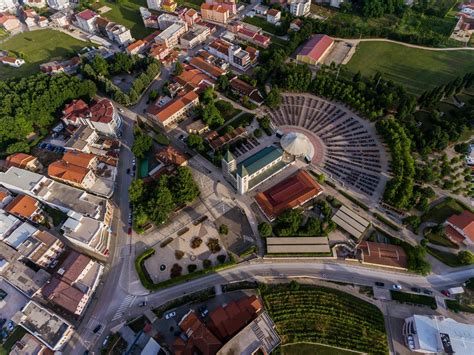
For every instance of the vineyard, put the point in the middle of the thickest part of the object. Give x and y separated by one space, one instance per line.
316 314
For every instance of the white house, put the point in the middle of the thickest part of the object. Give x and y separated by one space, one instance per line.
86 20
300 7
8 5
119 34
58 4
273 16
154 4
13 62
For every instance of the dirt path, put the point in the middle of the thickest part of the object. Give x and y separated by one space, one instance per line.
355 42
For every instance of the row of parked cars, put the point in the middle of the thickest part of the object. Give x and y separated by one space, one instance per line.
399 287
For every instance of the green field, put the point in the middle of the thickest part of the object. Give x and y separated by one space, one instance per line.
442 211
127 13
416 69
310 349
305 313
38 47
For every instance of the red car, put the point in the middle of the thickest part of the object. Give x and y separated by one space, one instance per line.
129 230
446 293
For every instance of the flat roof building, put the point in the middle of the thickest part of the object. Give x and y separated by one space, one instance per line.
292 192
298 245
351 222
381 254
438 335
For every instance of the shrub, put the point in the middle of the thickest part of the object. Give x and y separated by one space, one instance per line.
221 258
176 270
257 133
213 245
265 229
178 254
223 229
196 242
466 257
206 263
192 268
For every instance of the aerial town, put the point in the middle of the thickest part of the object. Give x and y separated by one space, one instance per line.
236 177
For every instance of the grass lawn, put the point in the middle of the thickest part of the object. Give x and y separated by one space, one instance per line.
449 259
442 211
126 13
39 47
440 239
455 306
226 109
416 69
310 349
262 23
3 33
195 4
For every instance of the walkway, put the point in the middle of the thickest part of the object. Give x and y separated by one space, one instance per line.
356 42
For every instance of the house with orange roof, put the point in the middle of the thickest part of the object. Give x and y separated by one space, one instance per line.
207 68
191 17
230 5
159 51
169 5
199 337
460 228
5 197
26 207
215 13
12 62
135 47
171 156
173 111
85 160
194 79
74 175
23 161
273 16
9 22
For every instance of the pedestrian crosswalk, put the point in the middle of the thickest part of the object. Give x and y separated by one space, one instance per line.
127 301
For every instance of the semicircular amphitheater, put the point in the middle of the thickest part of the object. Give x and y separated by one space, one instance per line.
334 139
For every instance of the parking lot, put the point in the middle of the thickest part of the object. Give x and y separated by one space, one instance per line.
339 53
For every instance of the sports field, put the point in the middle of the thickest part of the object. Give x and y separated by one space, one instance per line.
416 69
37 47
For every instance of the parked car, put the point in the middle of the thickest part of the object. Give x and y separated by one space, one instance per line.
416 289
170 315
203 311
445 292
379 284
128 171
106 340
427 292
142 304
96 329
396 287
120 109
129 232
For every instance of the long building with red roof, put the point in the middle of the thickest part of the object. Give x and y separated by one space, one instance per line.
292 192
460 228
315 49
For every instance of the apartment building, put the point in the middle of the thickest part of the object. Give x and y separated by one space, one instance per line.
171 35
300 8
86 232
231 53
174 111
86 20
215 13
198 34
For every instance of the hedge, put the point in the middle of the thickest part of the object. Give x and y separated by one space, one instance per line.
414 298
143 274
386 222
455 306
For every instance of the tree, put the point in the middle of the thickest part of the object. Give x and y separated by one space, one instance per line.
162 204
153 95
223 229
273 99
196 142
100 65
265 229
223 82
257 133
178 69
183 186
207 96
136 191
288 223
466 257
212 116
17 147
121 63
141 145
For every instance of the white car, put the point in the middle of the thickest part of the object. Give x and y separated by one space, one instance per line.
120 109
396 287
170 315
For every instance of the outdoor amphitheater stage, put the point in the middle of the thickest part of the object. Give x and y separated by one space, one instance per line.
344 146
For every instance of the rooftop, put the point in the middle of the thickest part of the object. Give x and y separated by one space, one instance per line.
78 158
102 111
383 254
86 14
350 221
465 222
316 46
259 160
63 170
206 67
171 156
23 206
177 104
19 160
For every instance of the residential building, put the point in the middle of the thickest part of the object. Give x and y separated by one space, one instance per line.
199 338
273 16
74 283
29 17
315 49
154 4
28 344
84 160
23 161
351 222
230 5
104 118
193 79
169 5
135 47
170 36
231 53
460 228
25 207
8 6
47 327
60 19
149 20
86 232
86 20
46 250
8 223
296 24
261 9
159 51
250 33
74 175
35 3
166 20
254 170
292 192
242 88
215 13
58 5
380 254
191 17
207 68
21 238
5 197
9 22
57 195
42 21
173 111
119 34
66 66
300 8
82 139
151 38
12 62
260 336
226 321
438 335
195 36
171 156
75 113
197 127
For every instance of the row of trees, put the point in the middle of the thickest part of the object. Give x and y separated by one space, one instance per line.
142 143
100 70
155 203
32 104
399 190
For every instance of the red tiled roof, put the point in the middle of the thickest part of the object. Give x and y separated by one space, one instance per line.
200 337
69 172
73 266
78 158
5 17
134 45
75 110
289 193
273 12
453 234
170 155
383 254
86 14
62 294
19 160
193 77
206 67
465 222
102 111
172 107
316 46
23 206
